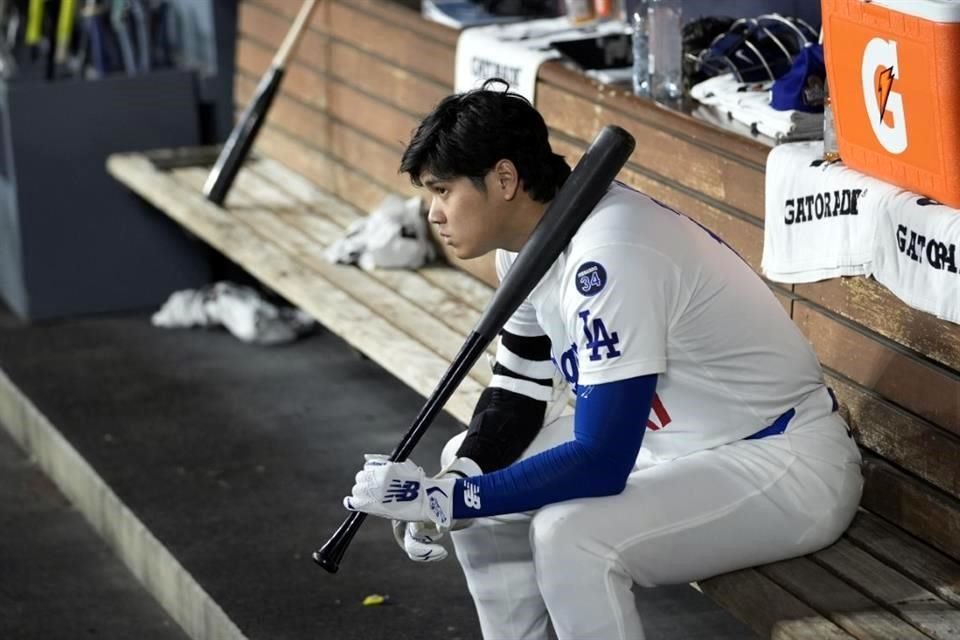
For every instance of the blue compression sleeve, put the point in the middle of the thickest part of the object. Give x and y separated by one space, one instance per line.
609 423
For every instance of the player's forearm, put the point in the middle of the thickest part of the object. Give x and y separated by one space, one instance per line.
609 428
510 411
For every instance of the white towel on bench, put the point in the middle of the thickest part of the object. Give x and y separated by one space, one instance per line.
820 218
393 236
916 259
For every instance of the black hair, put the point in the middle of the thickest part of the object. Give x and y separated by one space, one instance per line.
468 133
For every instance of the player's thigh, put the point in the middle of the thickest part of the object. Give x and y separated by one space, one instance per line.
712 512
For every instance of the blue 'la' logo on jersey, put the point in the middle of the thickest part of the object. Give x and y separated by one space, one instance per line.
597 338
591 277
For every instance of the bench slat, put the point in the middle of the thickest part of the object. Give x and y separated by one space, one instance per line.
768 608
704 171
411 363
467 288
420 325
928 514
908 441
896 592
929 567
868 303
741 233
848 608
863 358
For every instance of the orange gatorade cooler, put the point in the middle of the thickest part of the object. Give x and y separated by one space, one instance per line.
893 68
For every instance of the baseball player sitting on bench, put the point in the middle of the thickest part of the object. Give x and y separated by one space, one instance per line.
704 439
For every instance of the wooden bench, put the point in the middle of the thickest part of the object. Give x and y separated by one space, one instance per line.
364 75
877 582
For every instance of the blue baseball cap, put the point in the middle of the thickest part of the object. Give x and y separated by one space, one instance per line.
802 88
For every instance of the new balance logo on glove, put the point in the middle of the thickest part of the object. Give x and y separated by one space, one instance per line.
402 491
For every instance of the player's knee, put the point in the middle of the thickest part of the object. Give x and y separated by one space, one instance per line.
555 533
450 449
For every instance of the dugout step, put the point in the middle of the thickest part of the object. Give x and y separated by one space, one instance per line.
58 579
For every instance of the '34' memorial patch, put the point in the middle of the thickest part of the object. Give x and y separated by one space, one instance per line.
591 278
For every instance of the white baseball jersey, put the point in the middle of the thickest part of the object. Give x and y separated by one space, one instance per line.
640 290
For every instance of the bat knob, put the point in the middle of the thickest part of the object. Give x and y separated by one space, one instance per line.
329 564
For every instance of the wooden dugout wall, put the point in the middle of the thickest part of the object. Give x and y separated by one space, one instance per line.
368 70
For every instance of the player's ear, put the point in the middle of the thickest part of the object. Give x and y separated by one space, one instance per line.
506 179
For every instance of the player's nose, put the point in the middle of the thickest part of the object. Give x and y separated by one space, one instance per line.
436 214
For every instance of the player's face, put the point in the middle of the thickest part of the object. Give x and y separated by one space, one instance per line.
469 220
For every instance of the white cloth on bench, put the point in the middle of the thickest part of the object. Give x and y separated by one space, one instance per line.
916 256
820 218
749 104
393 236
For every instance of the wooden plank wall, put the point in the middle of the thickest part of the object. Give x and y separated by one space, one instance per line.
368 70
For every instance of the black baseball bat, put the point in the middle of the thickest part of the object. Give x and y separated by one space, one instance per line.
237 147
580 193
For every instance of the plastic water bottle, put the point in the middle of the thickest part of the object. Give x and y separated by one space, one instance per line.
580 11
666 50
641 51
830 150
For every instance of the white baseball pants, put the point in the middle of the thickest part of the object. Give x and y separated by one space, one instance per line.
739 505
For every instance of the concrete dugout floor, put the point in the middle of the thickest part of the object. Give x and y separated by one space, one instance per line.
236 458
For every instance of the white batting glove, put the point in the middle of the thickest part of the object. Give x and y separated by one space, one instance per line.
401 491
419 539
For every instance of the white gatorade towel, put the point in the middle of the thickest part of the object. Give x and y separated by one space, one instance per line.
820 217
916 257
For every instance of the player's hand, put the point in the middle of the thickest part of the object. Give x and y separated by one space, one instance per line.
419 539
401 491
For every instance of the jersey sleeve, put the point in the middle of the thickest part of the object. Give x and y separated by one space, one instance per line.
523 322
618 301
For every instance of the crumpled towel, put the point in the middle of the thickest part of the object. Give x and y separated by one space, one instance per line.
240 309
393 236
749 104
